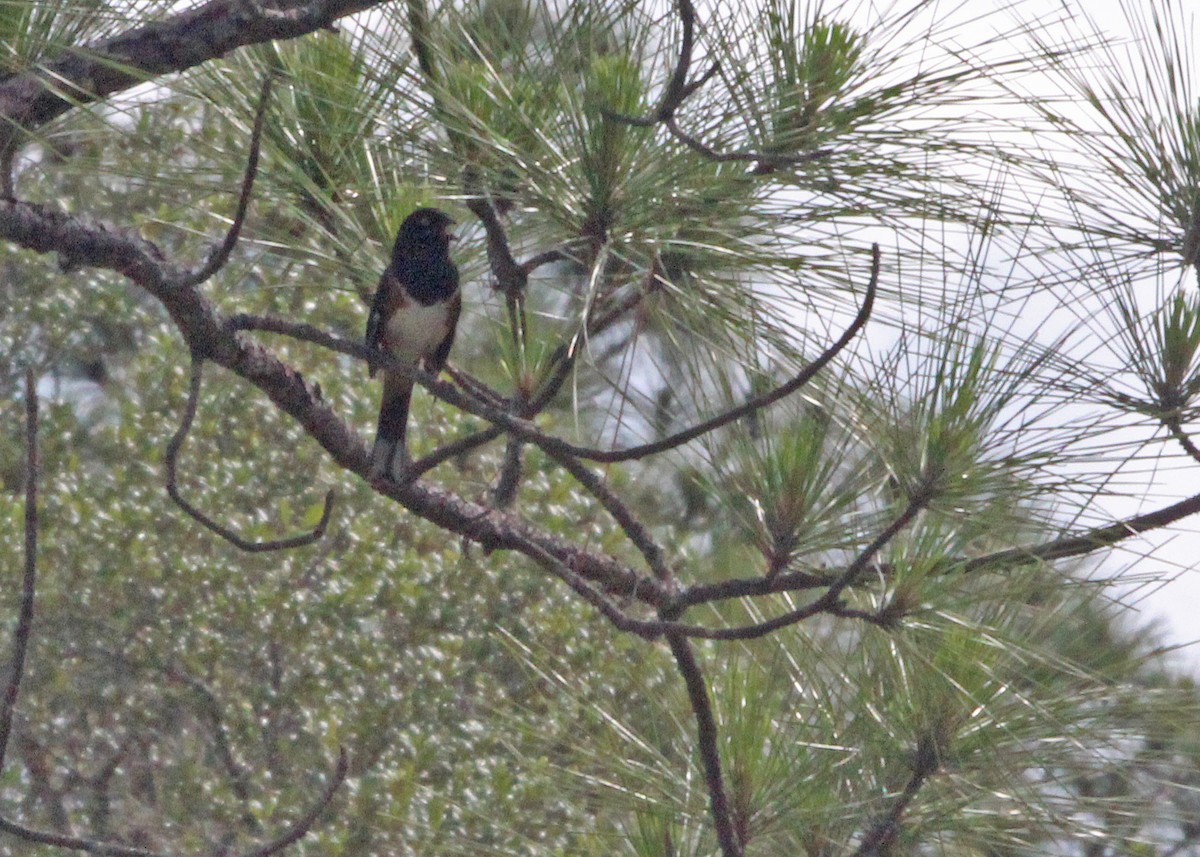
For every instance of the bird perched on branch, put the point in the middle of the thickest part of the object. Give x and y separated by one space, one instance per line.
413 316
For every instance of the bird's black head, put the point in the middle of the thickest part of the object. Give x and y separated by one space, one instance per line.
425 232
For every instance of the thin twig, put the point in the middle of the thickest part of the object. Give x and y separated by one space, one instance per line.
451 450
170 460
24 627
1086 543
755 403
8 157
290 836
220 254
510 276
749 587
634 530
829 601
544 258
646 629
678 88
239 775
765 161
509 481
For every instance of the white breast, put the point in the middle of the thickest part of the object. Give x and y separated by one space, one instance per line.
415 331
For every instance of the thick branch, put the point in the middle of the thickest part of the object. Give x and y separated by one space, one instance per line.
182 41
706 743
209 334
21 634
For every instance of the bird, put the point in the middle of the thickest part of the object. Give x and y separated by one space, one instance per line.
413 317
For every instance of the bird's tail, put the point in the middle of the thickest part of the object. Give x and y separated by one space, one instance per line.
389 455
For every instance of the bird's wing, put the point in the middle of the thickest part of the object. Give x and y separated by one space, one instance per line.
377 321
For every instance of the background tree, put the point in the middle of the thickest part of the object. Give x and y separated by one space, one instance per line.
747 520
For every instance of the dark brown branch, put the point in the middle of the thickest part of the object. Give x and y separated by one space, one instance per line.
646 629
74 843
188 39
765 161
418 27
880 839
170 460
706 743
748 587
509 481
220 254
634 529
750 406
544 258
510 276
1089 542
452 450
8 187
24 629
305 823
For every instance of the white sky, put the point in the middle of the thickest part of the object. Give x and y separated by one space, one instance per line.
1170 607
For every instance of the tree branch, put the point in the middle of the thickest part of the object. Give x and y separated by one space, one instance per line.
289 836
220 253
182 41
24 629
679 89
239 775
74 843
829 601
1174 425
706 743
305 823
1089 542
880 839
170 460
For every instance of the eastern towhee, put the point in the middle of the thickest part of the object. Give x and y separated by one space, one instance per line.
413 316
